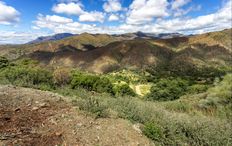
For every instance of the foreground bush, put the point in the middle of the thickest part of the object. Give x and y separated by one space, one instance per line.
219 98
92 105
173 128
27 77
152 131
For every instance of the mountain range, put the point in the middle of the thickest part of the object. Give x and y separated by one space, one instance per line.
129 36
55 37
102 53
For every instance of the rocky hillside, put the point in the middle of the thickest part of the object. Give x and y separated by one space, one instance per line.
33 117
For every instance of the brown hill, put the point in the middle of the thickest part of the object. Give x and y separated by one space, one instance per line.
220 38
134 54
83 42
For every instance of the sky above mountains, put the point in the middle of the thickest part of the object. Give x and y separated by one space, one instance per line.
24 20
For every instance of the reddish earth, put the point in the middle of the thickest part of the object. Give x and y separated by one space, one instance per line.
31 117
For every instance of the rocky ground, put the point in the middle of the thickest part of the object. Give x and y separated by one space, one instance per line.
30 117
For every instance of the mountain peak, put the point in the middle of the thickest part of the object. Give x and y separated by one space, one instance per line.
54 37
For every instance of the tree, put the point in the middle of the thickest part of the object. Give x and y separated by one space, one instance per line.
4 62
122 90
168 89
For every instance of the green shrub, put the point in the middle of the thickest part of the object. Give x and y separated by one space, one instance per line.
91 82
153 131
83 80
4 62
130 109
197 88
61 76
173 128
28 77
102 85
178 106
27 62
123 90
220 94
168 89
219 98
223 90
92 105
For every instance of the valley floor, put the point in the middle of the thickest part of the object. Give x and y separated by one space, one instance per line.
39 118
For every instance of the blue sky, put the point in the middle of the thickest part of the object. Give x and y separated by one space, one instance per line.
24 20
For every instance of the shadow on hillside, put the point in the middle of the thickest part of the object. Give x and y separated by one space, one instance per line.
89 47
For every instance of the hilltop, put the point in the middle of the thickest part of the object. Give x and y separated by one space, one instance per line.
55 37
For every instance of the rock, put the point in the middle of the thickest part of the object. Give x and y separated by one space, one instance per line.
136 127
98 127
43 105
17 109
53 121
35 108
79 125
58 134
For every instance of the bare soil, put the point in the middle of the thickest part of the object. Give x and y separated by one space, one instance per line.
30 117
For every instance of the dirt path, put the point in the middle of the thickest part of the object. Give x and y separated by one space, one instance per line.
31 117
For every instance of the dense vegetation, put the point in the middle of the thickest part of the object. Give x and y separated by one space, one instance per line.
25 73
91 82
168 89
178 110
28 73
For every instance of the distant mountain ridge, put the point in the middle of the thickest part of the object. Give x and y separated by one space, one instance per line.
158 35
143 35
55 37
126 36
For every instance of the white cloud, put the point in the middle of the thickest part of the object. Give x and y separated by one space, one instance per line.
53 19
182 12
177 10
69 8
113 17
35 27
8 14
62 24
112 6
143 11
93 16
17 37
50 22
221 19
179 3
